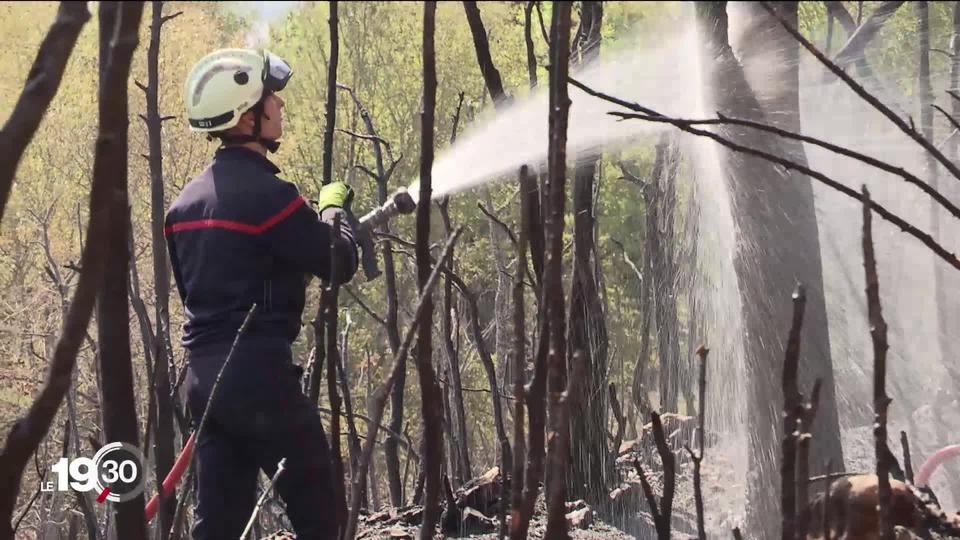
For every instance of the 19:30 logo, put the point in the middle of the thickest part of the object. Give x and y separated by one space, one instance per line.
115 473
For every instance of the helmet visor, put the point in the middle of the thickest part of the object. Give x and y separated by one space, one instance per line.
276 72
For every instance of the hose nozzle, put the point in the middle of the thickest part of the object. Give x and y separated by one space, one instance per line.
401 202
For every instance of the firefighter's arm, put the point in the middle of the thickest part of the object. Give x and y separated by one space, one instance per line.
302 238
175 266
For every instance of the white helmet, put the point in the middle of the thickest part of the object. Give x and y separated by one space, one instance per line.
226 83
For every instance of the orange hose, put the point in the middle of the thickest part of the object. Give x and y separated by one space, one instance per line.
172 479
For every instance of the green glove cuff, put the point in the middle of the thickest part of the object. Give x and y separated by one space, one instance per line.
336 194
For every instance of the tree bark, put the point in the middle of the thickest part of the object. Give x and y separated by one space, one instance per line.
950 306
491 76
945 281
320 349
429 389
559 430
329 301
587 325
119 25
519 360
331 112
660 201
42 84
778 247
163 448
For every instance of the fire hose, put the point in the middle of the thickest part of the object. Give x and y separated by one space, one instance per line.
172 479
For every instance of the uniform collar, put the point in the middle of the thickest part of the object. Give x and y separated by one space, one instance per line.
237 153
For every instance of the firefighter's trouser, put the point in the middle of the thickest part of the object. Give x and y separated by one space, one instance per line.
258 416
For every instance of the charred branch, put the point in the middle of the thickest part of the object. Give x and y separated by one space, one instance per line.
653 116
519 364
559 430
878 334
907 129
907 462
661 512
330 303
331 110
160 345
804 440
491 76
791 414
119 26
840 150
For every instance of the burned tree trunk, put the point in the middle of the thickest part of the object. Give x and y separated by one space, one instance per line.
42 84
588 327
319 349
949 306
331 112
119 24
27 432
559 431
429 389
778 246
519 360
659 197
391 444
534 393
945 281
164 435
329 303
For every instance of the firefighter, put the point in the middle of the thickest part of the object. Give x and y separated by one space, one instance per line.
237 235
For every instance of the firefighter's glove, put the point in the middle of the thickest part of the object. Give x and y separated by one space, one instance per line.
335 194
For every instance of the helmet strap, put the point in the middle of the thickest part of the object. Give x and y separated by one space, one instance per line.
270 144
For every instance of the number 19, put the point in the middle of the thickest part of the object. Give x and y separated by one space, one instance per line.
81 469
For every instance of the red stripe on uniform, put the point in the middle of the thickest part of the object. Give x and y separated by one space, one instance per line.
236 225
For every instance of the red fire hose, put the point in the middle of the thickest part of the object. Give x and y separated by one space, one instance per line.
172 479
934 461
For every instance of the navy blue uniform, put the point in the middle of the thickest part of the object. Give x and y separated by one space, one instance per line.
239 235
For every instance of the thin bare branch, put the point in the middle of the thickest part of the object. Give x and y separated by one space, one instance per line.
653 116
361 136
281 467
373 315
909 130
167 18
383 392
907 463
878 334
791 414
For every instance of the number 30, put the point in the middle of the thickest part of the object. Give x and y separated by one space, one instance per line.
126 471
